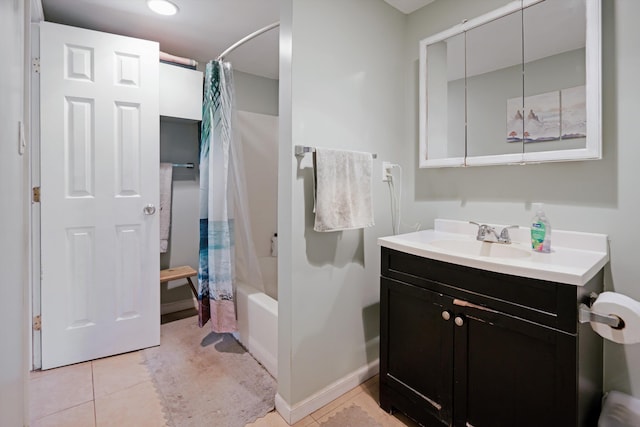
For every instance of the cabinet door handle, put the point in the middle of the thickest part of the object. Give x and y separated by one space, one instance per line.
463 303
446 315
459 321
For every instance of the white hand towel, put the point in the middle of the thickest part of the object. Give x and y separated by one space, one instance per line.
343 190
166 174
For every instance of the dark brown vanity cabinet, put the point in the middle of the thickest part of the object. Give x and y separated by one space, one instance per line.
471 348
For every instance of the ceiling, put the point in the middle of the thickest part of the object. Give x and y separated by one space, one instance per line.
201 30
408 6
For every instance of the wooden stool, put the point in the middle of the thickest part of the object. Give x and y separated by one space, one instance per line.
183 272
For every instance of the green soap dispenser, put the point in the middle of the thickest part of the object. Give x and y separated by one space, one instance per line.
540 230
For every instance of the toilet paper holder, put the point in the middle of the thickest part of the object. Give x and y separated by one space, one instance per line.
586 315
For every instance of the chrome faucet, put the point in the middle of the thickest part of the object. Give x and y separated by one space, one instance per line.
487 233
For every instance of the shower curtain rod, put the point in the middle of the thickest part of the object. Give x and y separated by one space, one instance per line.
246 39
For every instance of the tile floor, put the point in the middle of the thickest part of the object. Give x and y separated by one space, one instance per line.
365 396
118 391
114 391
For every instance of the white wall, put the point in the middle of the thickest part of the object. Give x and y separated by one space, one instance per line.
597 196
259 138
256 94
13 218
257 102
341 86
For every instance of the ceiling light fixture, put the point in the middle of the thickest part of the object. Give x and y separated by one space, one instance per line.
162 7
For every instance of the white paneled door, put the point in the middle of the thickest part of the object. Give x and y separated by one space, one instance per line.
99 180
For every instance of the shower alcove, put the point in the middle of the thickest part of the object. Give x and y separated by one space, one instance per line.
256 132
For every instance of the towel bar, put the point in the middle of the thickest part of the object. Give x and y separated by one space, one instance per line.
301 150
183 165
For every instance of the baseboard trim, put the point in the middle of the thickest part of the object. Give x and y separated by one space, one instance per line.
293 414
173 307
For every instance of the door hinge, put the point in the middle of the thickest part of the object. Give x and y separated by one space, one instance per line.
35 65
37 323
36 195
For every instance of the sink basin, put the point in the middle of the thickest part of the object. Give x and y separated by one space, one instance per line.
575 258
477 248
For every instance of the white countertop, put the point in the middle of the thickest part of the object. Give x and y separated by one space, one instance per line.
574 259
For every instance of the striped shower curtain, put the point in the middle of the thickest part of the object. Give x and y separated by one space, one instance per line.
216 270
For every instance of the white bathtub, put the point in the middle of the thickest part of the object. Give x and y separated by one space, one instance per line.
258 326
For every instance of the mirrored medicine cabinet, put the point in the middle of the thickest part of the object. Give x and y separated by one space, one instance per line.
520 84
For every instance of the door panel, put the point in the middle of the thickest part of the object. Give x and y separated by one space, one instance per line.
99 169
418 349
512 373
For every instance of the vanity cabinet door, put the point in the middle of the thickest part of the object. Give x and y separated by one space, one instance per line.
509 372
416 352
